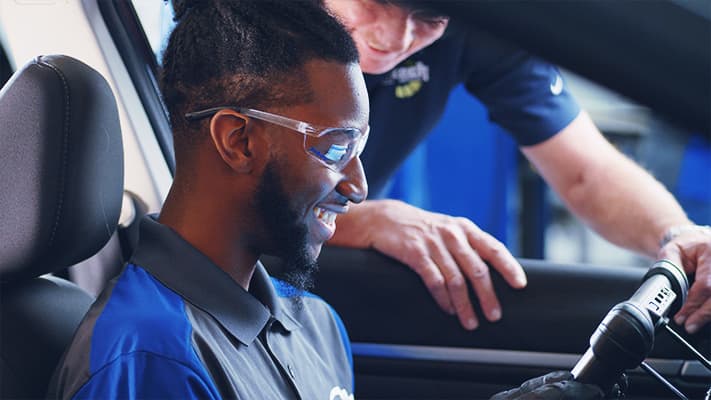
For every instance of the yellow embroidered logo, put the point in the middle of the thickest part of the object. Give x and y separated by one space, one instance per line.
407 90
409 78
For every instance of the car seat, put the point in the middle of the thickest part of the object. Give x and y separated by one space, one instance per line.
61 180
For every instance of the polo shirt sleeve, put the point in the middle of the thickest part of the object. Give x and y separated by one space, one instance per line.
144 375
524 94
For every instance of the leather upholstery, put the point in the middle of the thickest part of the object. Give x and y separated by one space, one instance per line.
61 167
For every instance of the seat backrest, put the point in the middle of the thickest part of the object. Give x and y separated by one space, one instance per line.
61 174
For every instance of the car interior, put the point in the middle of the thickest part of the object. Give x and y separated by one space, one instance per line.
69 218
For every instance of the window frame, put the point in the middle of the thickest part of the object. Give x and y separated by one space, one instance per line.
130 39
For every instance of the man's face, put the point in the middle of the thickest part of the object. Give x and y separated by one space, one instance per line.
386 34
298 197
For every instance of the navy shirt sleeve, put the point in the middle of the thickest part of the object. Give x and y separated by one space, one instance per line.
524 94
144 375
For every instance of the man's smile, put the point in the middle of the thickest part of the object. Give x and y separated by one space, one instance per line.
325 216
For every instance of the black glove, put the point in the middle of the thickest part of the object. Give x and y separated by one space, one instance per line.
558 385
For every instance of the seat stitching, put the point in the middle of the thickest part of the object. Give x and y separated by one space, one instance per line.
65 146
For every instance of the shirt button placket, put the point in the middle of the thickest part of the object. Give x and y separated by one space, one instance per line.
269 339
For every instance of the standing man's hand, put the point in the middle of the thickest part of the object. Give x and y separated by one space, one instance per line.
690 247
447 252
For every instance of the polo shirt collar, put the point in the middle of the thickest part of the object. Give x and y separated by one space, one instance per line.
191 274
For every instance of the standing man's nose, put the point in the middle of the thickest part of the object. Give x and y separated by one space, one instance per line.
396 33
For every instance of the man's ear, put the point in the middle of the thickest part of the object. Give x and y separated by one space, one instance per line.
228 130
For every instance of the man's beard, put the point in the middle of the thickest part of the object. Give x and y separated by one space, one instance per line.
286 233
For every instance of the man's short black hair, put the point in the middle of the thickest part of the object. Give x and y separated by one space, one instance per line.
248 53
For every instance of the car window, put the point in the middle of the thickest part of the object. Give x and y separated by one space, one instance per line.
156 18
137 29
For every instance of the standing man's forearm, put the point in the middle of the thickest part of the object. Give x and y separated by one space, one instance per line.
615 196
627 206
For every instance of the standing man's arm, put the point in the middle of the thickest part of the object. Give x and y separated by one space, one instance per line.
626 205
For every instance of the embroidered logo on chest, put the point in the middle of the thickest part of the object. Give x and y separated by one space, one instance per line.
409 78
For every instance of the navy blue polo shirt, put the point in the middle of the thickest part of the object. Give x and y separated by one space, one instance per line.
522 93
174 325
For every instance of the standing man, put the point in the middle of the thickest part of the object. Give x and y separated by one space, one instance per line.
269 112
413 59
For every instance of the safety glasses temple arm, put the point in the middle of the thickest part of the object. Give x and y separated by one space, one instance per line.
286 122
208 112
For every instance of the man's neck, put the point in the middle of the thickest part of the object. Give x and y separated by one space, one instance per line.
213 234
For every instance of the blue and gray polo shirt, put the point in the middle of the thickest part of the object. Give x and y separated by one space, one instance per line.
174 325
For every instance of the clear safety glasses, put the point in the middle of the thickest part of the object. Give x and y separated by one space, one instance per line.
333 147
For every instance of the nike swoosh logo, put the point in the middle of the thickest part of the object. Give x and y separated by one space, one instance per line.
557 86
338 393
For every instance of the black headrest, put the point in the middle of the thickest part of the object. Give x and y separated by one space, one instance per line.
61 166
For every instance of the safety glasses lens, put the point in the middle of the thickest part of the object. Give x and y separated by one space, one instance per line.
333 147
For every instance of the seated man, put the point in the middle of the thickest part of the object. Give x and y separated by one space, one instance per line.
194 314
269 111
